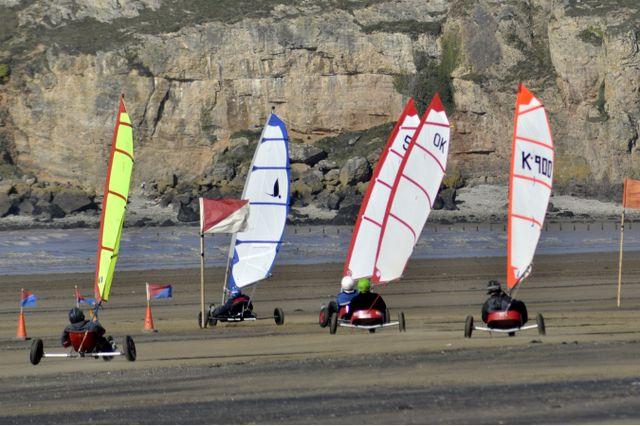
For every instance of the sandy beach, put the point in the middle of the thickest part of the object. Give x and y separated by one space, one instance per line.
584 370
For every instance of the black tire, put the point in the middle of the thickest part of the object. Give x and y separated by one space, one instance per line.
511 333
206 323
129 349
278 316
402 325
333 323
541 327
372 330
324 317
333 307
387 315
468 326
111 348
37 352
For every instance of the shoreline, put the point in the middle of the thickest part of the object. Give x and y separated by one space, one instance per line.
481 204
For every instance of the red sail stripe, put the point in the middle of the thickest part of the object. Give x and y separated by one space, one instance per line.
368 219
420 187
433 123
118 195
433 156
528 219
532 179
533 141
405 224
121 151
530 109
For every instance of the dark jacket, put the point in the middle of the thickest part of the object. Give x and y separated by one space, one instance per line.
228 308
500 302
367 300
81 326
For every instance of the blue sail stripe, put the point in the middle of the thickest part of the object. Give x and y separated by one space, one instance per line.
274 140
258 241
270 168
267 203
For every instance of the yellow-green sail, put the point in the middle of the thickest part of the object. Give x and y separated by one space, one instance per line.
114 203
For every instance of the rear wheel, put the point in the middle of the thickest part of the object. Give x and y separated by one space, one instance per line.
387 315
111 347
333 323
129 349
37 352
468 327
206 323
511 333
541 328
278 316
402 326
372 330
324 317
333 307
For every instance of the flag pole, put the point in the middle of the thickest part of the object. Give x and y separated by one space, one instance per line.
202 315
148 298
77 301
620 260
21 297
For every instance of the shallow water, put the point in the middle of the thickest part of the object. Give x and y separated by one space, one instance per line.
74 250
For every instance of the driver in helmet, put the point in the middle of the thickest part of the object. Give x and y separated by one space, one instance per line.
500 301
347 292
227 309
77 323
366 299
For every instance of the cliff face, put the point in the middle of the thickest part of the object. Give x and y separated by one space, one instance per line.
199 74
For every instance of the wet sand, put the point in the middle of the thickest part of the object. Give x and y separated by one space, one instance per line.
585 370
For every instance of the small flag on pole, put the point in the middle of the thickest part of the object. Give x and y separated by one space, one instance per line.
158 291
223 215
80 299
27 299
631 197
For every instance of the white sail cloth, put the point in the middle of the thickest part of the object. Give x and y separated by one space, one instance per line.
254 250
414 191
366 234
530 184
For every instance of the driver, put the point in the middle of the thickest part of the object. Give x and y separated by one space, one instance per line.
227 309
500 301
366 299
77 323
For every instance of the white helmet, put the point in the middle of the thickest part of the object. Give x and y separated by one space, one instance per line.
347 284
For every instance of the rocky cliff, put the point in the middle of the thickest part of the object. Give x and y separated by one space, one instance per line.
201 76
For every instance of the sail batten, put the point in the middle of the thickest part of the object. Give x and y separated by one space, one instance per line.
530 184
114 204
413 193
253 251
366 234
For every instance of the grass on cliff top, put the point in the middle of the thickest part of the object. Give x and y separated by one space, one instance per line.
433 76
412 28
89 35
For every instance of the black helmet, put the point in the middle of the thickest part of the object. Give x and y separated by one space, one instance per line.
76 315
493 287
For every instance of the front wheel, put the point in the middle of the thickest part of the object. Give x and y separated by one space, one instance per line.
200 321
278 316
129 349
37 352
324 317
387 315
468 327
372 330
402 325
541 328
333 324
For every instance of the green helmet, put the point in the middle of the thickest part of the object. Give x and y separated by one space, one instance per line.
364 285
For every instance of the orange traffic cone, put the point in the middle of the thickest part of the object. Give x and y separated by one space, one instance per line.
148 321
22 328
